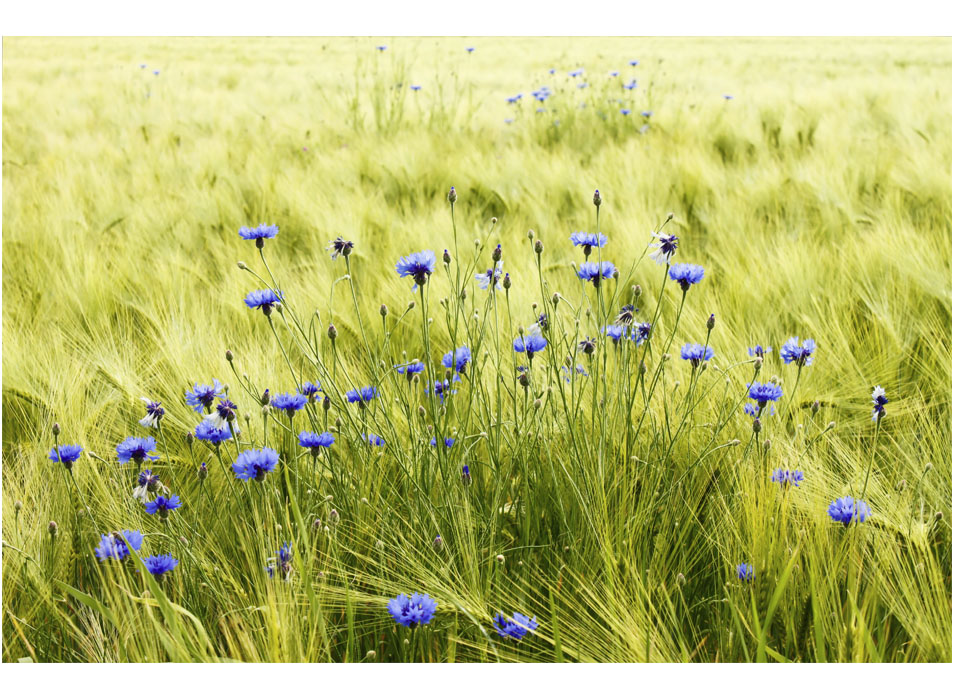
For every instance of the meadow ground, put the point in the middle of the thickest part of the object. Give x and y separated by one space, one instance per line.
810 178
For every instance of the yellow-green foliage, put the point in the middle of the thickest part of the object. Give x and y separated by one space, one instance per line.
818 198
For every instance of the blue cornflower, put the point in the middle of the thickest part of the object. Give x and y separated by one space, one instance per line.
315 441
465 476
163 505
759 351
588 241
409 369
255 464
800 355
204 395
686 275
113 545
696 353
372 439
283 559
634 62
289 403
582 86
763 393
68 455
415 88
614 73
529 344
515 98
381 48
419 609
154 413
361 396
223 415
259 233
580 369
640 332
470 49
264 299
750 409
784 477
745 572
879 399
136 449
207 431
846 509
448 442
614 332
516 627
647 113
457 359
587 346
340 246
443 388
631 85
146 483
159 564
727 97
592 272
576 73
665 248
310 390
490 279
417 266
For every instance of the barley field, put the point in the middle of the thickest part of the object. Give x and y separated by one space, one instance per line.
645 484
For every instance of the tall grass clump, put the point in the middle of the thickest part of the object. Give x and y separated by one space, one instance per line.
290 396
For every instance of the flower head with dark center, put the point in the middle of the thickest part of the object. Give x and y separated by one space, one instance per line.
255 464
491 279
409 369
136 449
801 355
147 483
116 545
162 505
665 248
696 354
686 275
67 455
640 332
543 322
844 510
745 572
203 396
759 351
372 439
626 315
159 564
529 344
587 346
259 233
516 627
207 431
340 246
785 477
223 414
443 388
289 403
879 399
315 441
361 396
282 560
763 393
457 359
154 413
594 272
310 391
418 609
418 266
264 299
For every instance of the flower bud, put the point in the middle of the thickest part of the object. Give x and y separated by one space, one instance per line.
500 559
241 265
189 438
767 445
465 476
203 472
735 442
680 579
18 506
452 195
410 305
56 429
710 324
815 406
316 524
52 528
332 331
758 363
497 254
637 292
333 517
421 412
538 247
447 257
371 655
597 200
384 310
438 544
326 403
493 220
756 426
831 426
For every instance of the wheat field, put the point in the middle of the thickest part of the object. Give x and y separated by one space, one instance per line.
811 178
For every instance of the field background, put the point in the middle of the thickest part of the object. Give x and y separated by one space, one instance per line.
818 198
